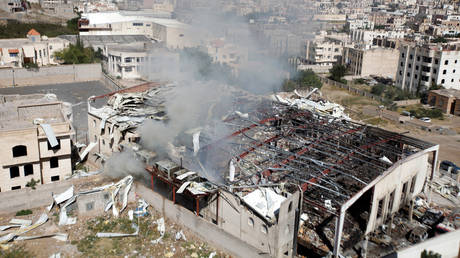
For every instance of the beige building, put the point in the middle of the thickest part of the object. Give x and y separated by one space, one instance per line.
324 49
374 61
35 135
35 49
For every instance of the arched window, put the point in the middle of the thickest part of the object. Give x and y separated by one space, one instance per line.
19 150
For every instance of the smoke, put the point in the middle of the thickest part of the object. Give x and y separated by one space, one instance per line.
124 163
204 93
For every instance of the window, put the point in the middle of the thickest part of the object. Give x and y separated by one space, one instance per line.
403 193
425 78
380 209
412 184
436 61
452 80
391 201
410 65
400 72
16 187
416 67
54 162
138 24
19 151
427 59
290 207
446 62
128 69
453 71
415 76
402 64
455 61
28 169
434 70
411 56
444 71
442 81
408 74
418 58
89 206
14 172
103 142
128 60
13 54
54 178
402 55
57 147
264 229
251 222
425 69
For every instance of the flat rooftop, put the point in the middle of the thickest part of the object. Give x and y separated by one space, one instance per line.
25 111
75 93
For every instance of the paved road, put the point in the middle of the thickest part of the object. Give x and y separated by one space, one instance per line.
75 93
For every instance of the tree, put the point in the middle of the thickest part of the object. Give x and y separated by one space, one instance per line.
310 79
378 89
337 72
77 54
429 254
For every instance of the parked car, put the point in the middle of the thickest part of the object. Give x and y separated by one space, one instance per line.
425 119
445 164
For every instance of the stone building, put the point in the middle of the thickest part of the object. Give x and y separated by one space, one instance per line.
36 136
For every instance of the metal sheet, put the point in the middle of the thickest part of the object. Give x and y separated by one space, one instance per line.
91 145
50 134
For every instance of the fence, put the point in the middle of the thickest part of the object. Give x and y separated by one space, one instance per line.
351 89
50 75
110 82
407 102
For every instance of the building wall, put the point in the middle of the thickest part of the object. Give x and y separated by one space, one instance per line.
405 181
239 221
47 75
63 170
380 61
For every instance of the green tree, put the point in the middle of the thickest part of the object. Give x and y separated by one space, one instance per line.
77 54
429 254
378 89
337 72
310 79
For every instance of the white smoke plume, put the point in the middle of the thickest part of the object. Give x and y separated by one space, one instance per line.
124 163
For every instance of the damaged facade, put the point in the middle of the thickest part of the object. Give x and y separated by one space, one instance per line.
294 168
35 135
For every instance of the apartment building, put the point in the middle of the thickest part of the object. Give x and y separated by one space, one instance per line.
324 49
35 49
223 52
368 36
35 135
373 61
172 33
419 67
124 61
355 24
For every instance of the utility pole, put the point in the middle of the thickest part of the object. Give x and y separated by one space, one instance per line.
14 83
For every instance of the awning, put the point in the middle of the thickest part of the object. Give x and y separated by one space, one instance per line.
13 51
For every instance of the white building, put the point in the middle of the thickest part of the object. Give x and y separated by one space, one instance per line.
172 33
225 53
124 61
367 36
354 24
419 67
35 49
325 50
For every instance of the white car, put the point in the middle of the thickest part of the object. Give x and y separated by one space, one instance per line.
425 119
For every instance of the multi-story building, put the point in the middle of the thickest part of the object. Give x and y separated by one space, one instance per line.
355 24
170 32
35 49
35 135
223 52
324 50
124 61
419 67
367 36
374 61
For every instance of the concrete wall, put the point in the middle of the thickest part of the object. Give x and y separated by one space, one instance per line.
50 75
380 61
402 184
406 102
207 231
30 199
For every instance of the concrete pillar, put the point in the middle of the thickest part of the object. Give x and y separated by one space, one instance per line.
338 232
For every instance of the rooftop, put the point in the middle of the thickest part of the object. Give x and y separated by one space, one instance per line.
26 111
114 17
33 32
448 93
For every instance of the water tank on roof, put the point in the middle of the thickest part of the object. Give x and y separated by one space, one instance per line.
44 37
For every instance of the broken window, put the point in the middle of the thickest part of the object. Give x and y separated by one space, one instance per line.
412 184
54 178
14 172
403 193
380 209
28 169
19 150
54 162
57 147
16 187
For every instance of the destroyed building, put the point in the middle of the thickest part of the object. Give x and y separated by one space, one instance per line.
114 125
35 135
290 170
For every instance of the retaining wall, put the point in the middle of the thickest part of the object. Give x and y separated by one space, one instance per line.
50 75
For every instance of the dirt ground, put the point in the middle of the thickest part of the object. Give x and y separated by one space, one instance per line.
82 240
449 145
